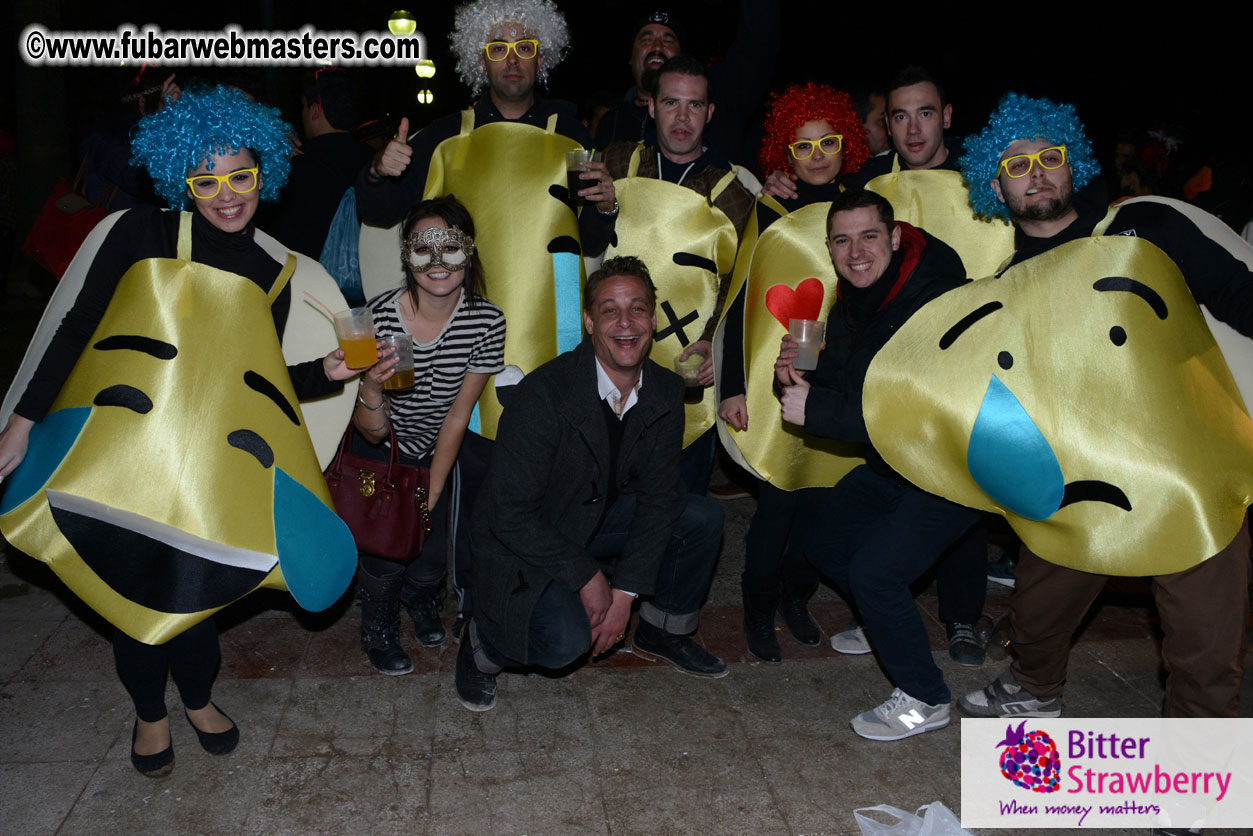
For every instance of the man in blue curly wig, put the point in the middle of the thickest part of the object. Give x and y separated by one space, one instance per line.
1028 165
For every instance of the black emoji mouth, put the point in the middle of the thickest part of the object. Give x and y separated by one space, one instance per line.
1094 491
153 564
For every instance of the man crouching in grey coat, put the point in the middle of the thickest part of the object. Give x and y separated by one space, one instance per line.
583 509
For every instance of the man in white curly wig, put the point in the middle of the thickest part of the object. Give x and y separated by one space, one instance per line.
504 159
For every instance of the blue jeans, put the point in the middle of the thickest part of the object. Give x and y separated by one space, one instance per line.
874 538
559 632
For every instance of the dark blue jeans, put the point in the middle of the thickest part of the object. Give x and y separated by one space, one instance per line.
559 632
696 462
874 538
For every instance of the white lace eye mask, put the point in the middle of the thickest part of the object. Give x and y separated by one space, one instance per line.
449 248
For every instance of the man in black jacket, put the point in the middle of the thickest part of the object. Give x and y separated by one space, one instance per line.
880 532
583 509
328 163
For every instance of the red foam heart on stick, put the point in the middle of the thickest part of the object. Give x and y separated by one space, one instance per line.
805 302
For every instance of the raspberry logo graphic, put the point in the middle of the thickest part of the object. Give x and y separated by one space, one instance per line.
1030 759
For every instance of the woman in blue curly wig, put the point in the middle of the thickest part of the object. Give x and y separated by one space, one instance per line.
165 278
1019 117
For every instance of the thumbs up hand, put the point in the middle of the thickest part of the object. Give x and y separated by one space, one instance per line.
393 159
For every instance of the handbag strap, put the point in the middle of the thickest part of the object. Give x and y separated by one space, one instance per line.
106 198
345 440
80 179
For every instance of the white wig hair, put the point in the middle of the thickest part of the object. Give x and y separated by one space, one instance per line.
478 22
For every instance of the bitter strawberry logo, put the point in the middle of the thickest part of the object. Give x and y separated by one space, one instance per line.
1030 759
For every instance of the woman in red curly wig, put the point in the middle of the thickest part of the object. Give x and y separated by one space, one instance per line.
812 135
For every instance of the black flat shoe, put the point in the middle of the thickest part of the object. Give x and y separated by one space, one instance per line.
216 743
153 766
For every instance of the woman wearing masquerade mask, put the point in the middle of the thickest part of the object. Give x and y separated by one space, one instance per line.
217 153
458 343
812 135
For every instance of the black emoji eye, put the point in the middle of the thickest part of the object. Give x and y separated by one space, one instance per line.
251 443
1117 335
564 244
124 396
259 384
1005 360
693 260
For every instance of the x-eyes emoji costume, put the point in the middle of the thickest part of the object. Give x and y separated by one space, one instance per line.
1081 395
174 473
688 243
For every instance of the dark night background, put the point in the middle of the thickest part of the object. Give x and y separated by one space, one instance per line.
1122 68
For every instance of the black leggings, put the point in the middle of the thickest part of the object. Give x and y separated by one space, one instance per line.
191 658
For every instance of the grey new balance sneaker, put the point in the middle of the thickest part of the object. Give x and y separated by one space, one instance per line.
1004 697
901 716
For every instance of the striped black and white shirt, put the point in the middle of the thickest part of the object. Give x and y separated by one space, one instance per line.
472 342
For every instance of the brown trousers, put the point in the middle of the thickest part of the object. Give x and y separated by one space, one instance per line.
1204 613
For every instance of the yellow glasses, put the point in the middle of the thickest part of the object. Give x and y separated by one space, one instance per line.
830 144
499 50
207 186
1019 165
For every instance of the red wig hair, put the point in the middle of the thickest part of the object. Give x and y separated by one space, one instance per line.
801 103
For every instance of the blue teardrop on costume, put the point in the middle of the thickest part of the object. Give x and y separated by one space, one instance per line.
315 548
1010 458
566 293
50 441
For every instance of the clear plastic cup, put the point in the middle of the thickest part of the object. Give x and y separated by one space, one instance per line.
354 328
808 335
402 378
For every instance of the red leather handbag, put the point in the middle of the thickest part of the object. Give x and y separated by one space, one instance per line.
383 501
64 221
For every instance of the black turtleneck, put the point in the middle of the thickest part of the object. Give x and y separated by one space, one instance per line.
145 232
807 194
1217 279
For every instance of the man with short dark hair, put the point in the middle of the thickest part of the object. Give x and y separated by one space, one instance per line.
917 114
330 158
879 532
583 509
922 182
872 109
741 77
679 198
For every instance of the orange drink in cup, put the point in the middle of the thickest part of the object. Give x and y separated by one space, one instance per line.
354 328
403 376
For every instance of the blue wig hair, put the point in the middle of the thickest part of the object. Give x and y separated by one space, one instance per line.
1021 117
204 121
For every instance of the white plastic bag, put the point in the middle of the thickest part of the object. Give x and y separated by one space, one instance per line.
938 820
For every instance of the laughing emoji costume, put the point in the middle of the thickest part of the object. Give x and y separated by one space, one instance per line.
170 471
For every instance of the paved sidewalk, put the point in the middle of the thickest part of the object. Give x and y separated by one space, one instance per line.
619 747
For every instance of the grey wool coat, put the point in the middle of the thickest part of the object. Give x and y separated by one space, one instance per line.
544 496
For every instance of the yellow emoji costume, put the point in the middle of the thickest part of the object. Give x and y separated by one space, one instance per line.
1081 395
936 200
173 473
688 242
511 176
784 271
